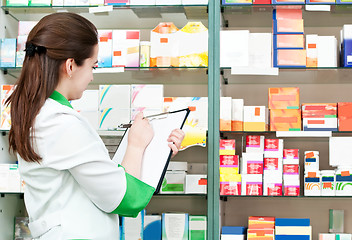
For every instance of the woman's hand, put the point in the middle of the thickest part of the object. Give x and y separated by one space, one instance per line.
176 137
141 132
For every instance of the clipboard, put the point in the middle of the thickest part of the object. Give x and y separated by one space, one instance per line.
157 155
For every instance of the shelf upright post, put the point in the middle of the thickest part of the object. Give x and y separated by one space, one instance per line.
213 120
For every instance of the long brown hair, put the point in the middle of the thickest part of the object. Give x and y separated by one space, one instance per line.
51 42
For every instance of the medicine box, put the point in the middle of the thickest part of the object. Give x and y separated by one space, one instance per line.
328 182
237 115
290 58
319 124
287 13
291 156
6 91
225 113
261 222
8 52
254 118
197 228
147 96
254 144
105 48
231 187
288 26
252 185
152 227
174 182
114 96
273 147
345 116
285 120
312 50
196 184
227 146
319 110
125 48
255 234
288 41
111 118
175 224
252 163
312 185
284 98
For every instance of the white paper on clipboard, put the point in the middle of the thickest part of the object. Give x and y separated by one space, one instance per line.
157 155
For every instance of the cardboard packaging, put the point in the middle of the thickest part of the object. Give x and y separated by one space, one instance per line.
327 236
227 146
232 187
267 234
197 228
261 222
193 51
254 144
289 222
10 180
294 230
312 50
252 185
343 236
132 228
260 45
287 13
319 124
273 164
272 182
229 160
319 110
233 230
6 91
228 173
336 221
225 113
290 58
40 3
152 227
175 226
105 48
111 118
328 182
311 161
291 156
114 96
288 41
345 116
288 26
312 184
273 147
235 2
237 115
343 181
254 118
8 52
196 125
196 184
252 163
346 42
17 2
284 98
125 48
174 182
165 42
147 96
327 51
234 55
291 180
285 120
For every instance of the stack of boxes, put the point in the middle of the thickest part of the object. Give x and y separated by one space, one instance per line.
261 228
233 233
291 179
273 161
288 37
293 229
312 184
252 166
230 179
285 114
319 116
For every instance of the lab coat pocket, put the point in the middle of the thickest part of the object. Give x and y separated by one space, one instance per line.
44 224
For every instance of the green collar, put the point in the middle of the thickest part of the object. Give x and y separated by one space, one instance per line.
58 97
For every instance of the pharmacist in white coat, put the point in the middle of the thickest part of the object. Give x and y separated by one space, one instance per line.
72 188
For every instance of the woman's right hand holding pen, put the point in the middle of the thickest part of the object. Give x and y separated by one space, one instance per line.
141 132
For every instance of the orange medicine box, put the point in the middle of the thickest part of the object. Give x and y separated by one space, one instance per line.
319 110
260 234
290 58
288 41
288 26
259 222
345 116
284 98
285 13
285 120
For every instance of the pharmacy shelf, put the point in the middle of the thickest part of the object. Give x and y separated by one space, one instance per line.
224 197
246 16
292 76
124 16
289 133
155 75
179 195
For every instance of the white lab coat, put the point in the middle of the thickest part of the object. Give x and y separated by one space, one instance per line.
70 194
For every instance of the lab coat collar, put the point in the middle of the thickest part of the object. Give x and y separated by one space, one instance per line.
60 99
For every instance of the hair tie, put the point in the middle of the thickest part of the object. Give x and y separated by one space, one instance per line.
31 49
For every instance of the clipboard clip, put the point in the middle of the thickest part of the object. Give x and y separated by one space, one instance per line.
150 118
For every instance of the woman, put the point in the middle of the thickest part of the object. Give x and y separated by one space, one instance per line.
73 190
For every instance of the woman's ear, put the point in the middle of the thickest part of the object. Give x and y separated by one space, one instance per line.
68 67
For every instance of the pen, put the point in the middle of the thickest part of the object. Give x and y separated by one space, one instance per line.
128 125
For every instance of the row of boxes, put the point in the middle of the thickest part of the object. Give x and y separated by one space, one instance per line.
102 2
178 181
166 227
238 2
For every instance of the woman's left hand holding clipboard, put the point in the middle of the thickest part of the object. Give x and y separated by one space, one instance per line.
175 139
